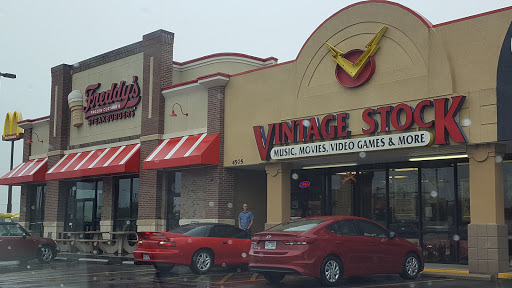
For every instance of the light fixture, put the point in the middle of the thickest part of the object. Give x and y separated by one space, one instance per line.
174 114
30 140
439 157
330 166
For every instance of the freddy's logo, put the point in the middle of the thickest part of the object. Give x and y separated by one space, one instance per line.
356 67
116 98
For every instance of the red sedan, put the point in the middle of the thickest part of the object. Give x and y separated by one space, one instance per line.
330 248
17 244
200 246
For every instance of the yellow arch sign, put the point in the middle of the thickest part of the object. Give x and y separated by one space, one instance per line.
11 130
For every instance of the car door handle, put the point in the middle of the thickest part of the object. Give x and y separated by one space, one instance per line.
224 242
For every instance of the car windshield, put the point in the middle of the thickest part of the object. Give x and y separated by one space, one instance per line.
190 230
300 225
12 230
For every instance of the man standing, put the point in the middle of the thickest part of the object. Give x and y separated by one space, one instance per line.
245 219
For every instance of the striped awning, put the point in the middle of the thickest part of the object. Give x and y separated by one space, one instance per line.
30 171
193 150
114 160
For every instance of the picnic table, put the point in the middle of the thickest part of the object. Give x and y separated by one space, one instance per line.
90 241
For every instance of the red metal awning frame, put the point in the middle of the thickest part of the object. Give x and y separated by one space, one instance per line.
30 171
186 151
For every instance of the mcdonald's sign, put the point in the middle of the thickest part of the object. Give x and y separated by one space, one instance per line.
11 130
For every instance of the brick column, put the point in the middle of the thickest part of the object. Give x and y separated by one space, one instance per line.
487 233
158 60
25 195
278 193
56 193
220 182
107 206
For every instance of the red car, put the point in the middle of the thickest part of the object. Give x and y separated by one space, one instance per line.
17 244
200 246
330 248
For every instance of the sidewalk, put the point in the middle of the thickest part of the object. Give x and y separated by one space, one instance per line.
458 271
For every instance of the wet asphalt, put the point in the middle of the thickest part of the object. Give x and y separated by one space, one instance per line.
94 274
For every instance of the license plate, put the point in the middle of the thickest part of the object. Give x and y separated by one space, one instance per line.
145 257
270 244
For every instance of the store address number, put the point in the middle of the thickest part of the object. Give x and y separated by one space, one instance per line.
238 161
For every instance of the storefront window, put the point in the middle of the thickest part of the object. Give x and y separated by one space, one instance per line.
372 194
403 202
464 214
37 209
84 206
342 189
127 204
308 194
173 200
439 207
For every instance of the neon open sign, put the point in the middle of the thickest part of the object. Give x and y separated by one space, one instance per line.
304 184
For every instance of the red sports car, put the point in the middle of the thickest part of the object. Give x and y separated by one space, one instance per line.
17 244
200 246
330 248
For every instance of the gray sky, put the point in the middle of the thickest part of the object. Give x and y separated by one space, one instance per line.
38 35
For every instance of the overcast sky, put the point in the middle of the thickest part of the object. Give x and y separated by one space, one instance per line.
38 35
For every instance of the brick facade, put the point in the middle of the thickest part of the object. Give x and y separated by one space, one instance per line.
193 195
158 52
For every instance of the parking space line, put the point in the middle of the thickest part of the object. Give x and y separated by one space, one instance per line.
99 273
225 278
200 277
403 284
254 276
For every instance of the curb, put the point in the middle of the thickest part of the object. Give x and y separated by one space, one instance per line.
457 274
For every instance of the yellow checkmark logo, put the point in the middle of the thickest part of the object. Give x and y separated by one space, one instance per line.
353 69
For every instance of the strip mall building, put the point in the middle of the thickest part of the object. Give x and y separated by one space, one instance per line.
381 115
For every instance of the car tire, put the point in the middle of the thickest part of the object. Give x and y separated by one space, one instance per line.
410 267
273 278
331 271
45 254
202 261
163 268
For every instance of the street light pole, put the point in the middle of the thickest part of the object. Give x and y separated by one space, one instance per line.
9 192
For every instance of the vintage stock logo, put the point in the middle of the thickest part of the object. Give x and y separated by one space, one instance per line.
356 67
11 130
111 101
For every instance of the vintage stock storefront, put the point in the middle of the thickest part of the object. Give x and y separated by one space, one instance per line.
381 115
132 143
386 116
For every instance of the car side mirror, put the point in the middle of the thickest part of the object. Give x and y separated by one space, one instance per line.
392 235
24 236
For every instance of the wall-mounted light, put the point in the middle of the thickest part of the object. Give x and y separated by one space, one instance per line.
174 114
30 140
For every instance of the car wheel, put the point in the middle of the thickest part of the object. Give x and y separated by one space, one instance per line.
202 261
331 272
45 254
273 278
163 268
411 267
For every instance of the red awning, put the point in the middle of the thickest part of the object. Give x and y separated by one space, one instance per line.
184 151
122 159
31 171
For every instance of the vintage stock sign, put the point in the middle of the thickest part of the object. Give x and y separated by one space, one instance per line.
107 105
382 119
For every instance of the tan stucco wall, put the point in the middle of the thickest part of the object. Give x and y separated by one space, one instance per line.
228 65
113 72
413 63
252 189
40 149
194 101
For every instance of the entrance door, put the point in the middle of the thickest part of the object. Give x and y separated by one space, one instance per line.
84 217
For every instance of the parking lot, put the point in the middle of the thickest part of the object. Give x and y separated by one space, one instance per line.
94 274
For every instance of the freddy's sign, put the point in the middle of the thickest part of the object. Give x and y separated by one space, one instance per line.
381 119
118 97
